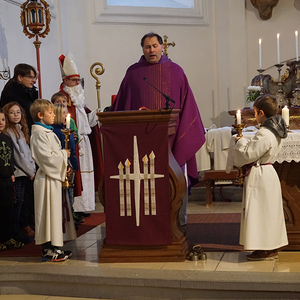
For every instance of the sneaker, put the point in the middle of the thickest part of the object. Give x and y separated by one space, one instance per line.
68 253
54 254
13 244
260 255
78 218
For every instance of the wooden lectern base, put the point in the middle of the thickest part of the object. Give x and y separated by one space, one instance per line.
176 252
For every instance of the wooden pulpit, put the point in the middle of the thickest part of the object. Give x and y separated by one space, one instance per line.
143 188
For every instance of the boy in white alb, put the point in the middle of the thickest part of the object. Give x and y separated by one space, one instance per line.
52 161
262 222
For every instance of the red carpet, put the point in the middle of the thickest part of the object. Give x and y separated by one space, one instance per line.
214 232
32 250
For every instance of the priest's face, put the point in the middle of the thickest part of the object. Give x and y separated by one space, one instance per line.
152 50
72 81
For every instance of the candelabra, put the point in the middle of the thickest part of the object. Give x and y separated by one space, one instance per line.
280 96
5 75
296 92
67 133
260 71
239 128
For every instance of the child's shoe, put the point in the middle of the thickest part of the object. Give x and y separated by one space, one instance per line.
259 255
54 254
13 244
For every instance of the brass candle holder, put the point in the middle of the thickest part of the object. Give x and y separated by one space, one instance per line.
67 133
288 128
239 128
280 95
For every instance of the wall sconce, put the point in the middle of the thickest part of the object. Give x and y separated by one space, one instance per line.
5 74
35 16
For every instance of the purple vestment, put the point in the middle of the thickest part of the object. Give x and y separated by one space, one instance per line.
169 78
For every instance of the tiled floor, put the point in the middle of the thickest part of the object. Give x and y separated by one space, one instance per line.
86 249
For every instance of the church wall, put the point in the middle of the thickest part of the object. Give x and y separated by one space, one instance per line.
219 58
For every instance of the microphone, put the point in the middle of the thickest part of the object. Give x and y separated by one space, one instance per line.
168 98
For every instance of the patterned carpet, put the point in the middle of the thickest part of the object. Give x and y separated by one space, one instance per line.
214 232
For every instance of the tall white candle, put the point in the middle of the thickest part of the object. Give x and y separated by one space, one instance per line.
238 117
278 50
286 115
296 40
4 64
68 121
259 51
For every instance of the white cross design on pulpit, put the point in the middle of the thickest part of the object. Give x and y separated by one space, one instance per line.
137 176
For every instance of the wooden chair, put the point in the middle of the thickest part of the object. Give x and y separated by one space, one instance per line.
212 175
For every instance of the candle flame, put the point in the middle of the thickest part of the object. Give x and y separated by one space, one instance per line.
296 33
259 41
278 35
238 111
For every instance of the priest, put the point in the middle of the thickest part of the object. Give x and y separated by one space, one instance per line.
154 82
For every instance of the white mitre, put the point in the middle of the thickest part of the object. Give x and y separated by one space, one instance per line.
68 66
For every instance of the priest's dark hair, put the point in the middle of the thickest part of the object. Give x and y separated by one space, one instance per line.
23 70
151 35
268 104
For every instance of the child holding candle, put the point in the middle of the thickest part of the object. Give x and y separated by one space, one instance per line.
52 161
262 222
60 121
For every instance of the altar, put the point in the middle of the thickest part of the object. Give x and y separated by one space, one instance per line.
288 169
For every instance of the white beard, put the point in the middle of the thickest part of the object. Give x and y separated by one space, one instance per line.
76 94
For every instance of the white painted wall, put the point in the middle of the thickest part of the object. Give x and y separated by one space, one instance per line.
220 59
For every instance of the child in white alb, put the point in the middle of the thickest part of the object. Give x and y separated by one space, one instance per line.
52 161
262 221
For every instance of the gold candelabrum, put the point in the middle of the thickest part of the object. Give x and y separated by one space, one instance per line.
280 96
260 71
239 128
296 92
98 72
67 133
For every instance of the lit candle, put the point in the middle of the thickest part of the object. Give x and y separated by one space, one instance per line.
259 50
278 50
238 117
4 64
296 39
68 121
286 115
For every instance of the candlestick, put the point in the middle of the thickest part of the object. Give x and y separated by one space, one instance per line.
239 128
295 101
238 117
67 133
68 121
286 115
278 49
296 40
259 51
